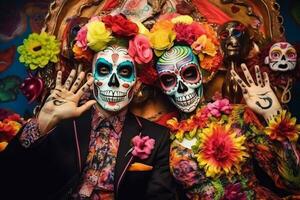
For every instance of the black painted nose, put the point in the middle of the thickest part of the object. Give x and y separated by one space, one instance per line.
283 58
182 88
113 81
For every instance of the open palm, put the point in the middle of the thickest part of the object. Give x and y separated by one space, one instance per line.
258 95
62 103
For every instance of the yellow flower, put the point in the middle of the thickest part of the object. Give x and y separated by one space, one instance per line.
221 150
162 40
98 36
184 19
142 29
283 126
38 50
204 45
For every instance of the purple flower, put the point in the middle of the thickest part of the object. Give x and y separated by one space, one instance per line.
234 192
185 171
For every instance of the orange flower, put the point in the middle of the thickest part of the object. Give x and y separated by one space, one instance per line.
283 126
81 54
211 63
162 25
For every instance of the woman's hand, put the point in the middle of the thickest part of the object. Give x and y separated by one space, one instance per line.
62 103
258 95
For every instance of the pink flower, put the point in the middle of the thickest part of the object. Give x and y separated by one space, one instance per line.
219 107
140 50
142 146
81 40
188 33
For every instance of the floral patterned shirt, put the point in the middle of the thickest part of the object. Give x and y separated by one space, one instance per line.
226 139
98 176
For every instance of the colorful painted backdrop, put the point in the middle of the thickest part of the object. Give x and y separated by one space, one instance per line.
19 18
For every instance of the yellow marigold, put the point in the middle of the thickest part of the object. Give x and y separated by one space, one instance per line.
184 19
222 151
98 36
162 40
283 126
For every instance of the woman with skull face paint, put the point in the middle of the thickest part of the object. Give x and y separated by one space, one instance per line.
72 152
215 145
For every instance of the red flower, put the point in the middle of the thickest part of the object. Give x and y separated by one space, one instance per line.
120 26
188 33
148 74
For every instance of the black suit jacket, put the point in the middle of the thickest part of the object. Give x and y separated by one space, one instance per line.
52 167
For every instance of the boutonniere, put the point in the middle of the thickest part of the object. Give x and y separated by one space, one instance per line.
142 146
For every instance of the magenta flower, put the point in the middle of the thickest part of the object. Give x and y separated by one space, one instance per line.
142 146
81 40
188 33
219 107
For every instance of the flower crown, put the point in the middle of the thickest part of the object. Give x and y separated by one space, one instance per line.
182 29
100 32
170 29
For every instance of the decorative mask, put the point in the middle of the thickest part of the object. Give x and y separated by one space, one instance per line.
235 40
114 77
282 57
180 77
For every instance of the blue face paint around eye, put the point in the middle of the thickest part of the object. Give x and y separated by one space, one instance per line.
126 71
102 68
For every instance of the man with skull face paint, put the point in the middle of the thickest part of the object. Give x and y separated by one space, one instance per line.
214 146
236 45
105 153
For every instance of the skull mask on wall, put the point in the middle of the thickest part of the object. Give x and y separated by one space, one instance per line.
235 40
282 57
180 77
114 77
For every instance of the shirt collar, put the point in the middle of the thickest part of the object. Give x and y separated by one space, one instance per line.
115 121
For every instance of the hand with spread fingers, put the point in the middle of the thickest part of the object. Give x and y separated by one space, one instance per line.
258 95
62 103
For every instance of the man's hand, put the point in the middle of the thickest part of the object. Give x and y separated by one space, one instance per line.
62 103
258 95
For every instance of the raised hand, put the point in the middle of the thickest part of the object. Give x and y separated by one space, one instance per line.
62 103
258 95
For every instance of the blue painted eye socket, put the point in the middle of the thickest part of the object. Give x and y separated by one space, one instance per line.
102 67
236 33
126 71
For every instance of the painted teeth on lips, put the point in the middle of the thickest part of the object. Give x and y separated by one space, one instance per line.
112 96
186 100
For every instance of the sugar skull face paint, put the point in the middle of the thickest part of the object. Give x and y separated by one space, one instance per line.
180 77
114 77
282 57
235 40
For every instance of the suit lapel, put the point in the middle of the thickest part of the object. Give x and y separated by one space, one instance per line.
131 128
82 129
